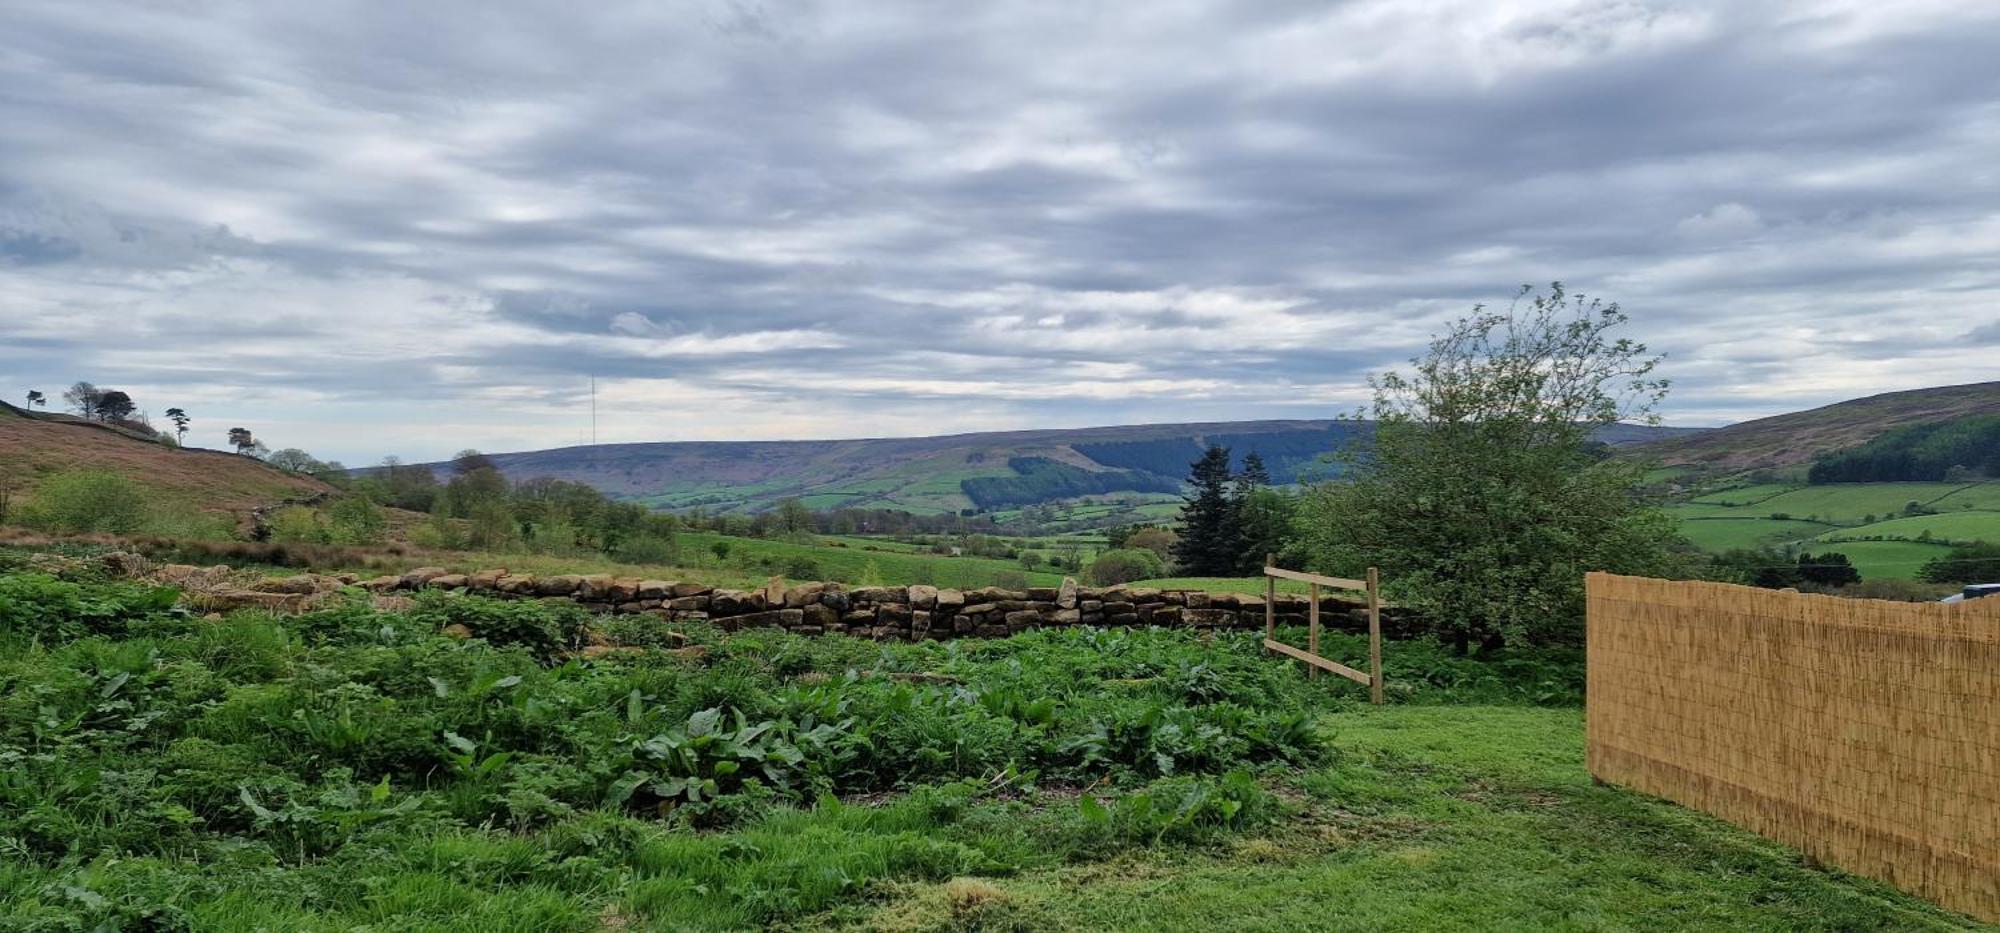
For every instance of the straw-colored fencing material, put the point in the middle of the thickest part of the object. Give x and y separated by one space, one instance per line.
1865 733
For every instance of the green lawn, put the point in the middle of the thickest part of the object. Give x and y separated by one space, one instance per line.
1440 818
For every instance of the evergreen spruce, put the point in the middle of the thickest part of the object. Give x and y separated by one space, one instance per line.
1211 526
1254 474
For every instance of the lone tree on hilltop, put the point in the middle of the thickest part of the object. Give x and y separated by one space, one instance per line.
294 460
1483 497
1210 527
82 398
244 442
114 405
35 397
179 417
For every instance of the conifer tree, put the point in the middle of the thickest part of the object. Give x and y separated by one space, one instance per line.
1211 528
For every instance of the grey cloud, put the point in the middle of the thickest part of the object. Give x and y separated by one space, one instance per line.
669 198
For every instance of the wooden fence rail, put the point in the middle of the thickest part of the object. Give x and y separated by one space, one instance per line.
1310 655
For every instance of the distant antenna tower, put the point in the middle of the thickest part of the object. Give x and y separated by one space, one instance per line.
593 411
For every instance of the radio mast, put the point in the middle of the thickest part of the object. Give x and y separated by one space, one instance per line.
593 410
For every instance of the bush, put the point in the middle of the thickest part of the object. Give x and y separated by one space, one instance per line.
546 629
44 607
296 523
648 549
86 501
1974 563
356 520
800 567
1125 565
1907 591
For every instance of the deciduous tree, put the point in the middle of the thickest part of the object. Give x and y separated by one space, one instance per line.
82 398
115 405
1482 496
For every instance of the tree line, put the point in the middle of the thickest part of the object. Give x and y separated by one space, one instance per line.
92 402
1963 449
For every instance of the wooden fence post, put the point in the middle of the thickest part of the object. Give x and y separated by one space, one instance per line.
1374 637
1312 631
1270 598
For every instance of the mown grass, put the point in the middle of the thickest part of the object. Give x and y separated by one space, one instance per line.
1460 818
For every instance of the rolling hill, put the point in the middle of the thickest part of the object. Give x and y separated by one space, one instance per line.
996 471
34 445
1796 439
1749 486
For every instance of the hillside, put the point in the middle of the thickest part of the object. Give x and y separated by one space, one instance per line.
1795 439
34 445
1135 464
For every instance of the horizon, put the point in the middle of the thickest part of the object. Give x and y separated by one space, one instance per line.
408 232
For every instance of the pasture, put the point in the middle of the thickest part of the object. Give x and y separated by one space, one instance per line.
1872 523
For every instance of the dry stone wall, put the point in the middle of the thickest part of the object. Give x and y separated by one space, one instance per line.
890 612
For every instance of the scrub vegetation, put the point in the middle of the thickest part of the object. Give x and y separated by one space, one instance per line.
462 765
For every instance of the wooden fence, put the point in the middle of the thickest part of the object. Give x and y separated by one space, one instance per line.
1865 733
1310 655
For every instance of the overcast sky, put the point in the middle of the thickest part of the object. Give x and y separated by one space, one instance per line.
407 228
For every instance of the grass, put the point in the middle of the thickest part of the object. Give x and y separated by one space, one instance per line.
853 564
1844 514
1722 534
1459 818
1251 585
1888 560
353 769
748 562
1854 503
1963 525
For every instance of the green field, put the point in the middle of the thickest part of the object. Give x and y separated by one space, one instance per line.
1251 585
1966 525
353 769
1722 534
1843 514
813 560
1885 560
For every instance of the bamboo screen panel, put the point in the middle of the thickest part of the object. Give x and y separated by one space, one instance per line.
1865 733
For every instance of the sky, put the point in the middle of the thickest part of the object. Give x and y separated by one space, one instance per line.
368 229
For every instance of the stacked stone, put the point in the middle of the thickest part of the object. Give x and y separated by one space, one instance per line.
896 612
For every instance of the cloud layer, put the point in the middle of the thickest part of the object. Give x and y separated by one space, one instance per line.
370 229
